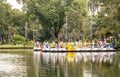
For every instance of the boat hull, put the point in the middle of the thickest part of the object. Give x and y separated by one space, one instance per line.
84 51
77 50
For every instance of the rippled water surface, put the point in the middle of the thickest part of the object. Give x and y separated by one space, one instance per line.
70 64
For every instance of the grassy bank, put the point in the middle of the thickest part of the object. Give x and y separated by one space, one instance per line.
15 47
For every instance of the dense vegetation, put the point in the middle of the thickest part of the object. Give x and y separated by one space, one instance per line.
62 20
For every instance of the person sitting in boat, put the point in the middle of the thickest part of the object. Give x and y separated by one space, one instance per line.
40 46
58 45
112 45
53 45
79 45
61 44
46 45
84 44
37 44
88 45
101 44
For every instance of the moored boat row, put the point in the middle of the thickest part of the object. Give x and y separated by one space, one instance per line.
74 46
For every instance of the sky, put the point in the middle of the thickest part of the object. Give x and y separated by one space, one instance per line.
14 4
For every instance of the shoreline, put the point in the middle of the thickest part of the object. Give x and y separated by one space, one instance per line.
16 48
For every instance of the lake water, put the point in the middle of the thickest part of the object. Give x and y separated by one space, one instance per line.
70 64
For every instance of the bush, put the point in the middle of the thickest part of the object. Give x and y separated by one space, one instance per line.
18 39
118 45
30 43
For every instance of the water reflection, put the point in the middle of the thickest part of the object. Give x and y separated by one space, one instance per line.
77 57
41 64
73 64
12 65
36 62
95 57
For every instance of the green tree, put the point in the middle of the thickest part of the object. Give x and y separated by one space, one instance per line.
11 21
5 23
108 19
77 16
50 14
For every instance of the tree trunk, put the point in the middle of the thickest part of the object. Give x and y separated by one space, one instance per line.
56 35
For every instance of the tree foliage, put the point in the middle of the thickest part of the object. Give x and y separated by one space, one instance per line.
77 16
47 19
52 15
49 13
108 22
11 20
